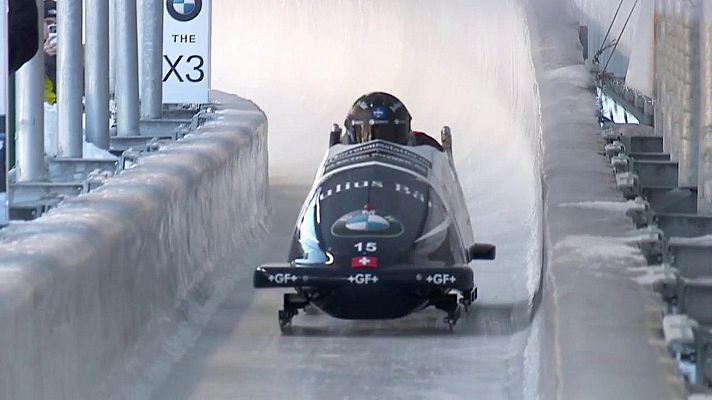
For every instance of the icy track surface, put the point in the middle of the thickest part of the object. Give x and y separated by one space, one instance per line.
462 63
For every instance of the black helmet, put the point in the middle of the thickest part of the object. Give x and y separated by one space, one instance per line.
378 115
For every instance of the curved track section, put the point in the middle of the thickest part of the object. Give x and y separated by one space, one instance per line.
466 64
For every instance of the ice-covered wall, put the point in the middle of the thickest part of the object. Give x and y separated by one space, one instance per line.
596 322
90 283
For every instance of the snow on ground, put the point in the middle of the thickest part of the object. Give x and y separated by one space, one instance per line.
90 151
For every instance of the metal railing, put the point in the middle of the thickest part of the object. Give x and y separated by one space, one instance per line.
91 69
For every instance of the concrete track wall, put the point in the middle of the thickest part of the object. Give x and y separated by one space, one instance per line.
601 328
89 283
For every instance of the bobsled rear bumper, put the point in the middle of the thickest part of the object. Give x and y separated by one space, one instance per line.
322 276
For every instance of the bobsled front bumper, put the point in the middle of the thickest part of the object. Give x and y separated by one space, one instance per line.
402 276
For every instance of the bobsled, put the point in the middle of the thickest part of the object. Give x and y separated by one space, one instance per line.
383 232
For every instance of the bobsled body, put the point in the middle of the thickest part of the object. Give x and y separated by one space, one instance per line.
383 232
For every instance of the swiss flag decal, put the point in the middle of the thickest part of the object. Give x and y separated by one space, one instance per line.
364 262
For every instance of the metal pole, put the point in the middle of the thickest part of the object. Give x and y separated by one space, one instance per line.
688 150
583 39
657 56
112 46
127 69
30 113
69 78
670 78
704 185
4 113
97 73
152 59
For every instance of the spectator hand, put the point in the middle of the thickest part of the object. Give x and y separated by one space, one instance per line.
50 46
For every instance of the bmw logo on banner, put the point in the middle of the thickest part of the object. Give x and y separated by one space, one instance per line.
184 10
186 51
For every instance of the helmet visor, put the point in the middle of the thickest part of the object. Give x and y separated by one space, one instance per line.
392 131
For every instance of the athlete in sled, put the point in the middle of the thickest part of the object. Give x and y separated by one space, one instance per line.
385 230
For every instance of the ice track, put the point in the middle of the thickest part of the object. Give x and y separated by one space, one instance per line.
466 64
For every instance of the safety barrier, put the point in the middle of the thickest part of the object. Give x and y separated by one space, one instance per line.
598 311
682 244
87 284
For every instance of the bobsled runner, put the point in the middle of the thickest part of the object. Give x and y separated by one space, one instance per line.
384 232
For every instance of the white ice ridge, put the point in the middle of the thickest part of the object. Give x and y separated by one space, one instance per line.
620 250
92 282
698 240
614 206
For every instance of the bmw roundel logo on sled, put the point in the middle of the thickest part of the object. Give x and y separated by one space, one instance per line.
367 223
184 10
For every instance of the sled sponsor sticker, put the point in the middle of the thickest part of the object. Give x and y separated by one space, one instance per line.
417 191
282 278
380 151
367 223
441 279
378 113
364 262
362 279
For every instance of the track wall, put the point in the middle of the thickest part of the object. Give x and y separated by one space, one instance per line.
100 278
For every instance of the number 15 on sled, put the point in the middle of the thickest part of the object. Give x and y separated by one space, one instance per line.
186 51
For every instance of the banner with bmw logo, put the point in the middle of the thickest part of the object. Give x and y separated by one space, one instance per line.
186 51
3 113
184 10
